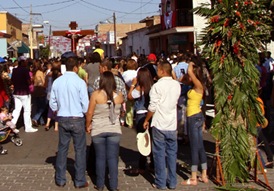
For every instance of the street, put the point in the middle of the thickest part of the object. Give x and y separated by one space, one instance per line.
31 166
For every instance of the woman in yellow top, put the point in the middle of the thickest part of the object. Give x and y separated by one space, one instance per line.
195 120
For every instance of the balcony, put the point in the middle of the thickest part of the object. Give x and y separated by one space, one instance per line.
184 17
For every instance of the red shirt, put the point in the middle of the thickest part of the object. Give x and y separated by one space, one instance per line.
3 94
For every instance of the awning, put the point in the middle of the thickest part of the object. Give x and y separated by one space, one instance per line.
23 49
5 35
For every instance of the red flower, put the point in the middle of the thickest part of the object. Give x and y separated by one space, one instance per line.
236 4
222 59
238 13
241 25
229 33
250 21
220 1
218 43
229 97
215 19
236 47
226 23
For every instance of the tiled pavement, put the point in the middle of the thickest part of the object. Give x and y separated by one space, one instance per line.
30 167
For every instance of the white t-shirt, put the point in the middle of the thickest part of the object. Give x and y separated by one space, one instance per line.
128 76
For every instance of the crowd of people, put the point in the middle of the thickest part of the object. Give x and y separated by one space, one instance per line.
99 95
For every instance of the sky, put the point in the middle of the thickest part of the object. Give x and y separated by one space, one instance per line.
87 13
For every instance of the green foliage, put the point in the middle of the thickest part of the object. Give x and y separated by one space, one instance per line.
236 31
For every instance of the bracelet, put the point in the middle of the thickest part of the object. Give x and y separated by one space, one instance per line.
132 85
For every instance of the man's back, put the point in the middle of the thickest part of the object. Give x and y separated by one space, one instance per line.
164 96
21 79
69 94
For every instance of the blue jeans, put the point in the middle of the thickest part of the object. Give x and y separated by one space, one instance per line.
195 133
40 104
71 127
164 148
106 147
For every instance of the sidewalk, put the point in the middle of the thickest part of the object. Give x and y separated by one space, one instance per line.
30 167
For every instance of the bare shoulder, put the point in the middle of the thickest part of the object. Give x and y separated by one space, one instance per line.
119 98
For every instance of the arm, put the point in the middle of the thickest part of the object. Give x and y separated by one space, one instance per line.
198 87
53 100
173 75
132 87
90 112
148 117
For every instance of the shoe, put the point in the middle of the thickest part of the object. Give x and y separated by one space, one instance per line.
99 189
3 152
269 165
190 182
34 123
16 131
83 186
171 188
32 130
60 185
159 188
46 128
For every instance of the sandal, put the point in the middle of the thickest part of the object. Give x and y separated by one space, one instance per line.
203 179
3 152
46 128
269 165
190 182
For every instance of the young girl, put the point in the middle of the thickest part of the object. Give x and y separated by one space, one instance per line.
6 117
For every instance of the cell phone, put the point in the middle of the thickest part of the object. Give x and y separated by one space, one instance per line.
183 71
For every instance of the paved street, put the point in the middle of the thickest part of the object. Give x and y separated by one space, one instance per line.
30 167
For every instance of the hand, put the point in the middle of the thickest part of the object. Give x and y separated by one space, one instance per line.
88 129
146 125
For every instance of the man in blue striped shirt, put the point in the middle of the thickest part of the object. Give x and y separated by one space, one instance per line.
69 98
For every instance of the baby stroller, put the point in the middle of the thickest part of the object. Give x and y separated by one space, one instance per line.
6 132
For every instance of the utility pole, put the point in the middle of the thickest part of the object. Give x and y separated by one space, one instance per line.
114 22
49 39
31 34
31 31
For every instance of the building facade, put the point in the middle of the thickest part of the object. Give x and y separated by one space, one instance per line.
106 34
12 26
180 27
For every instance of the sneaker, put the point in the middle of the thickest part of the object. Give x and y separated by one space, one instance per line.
3 152
16 131
32 130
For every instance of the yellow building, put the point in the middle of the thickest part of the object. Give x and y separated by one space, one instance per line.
11 26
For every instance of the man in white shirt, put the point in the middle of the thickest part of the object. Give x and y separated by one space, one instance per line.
162 108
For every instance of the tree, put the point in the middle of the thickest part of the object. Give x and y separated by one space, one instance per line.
236 31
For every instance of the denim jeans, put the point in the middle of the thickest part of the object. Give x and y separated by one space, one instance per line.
40 104
71 127
195 133
106 147
164 148
25 102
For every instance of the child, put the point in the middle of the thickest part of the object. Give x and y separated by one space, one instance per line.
5 117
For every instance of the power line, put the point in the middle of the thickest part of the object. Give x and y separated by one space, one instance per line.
59 8
116 11
43 5
20 6
135 2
